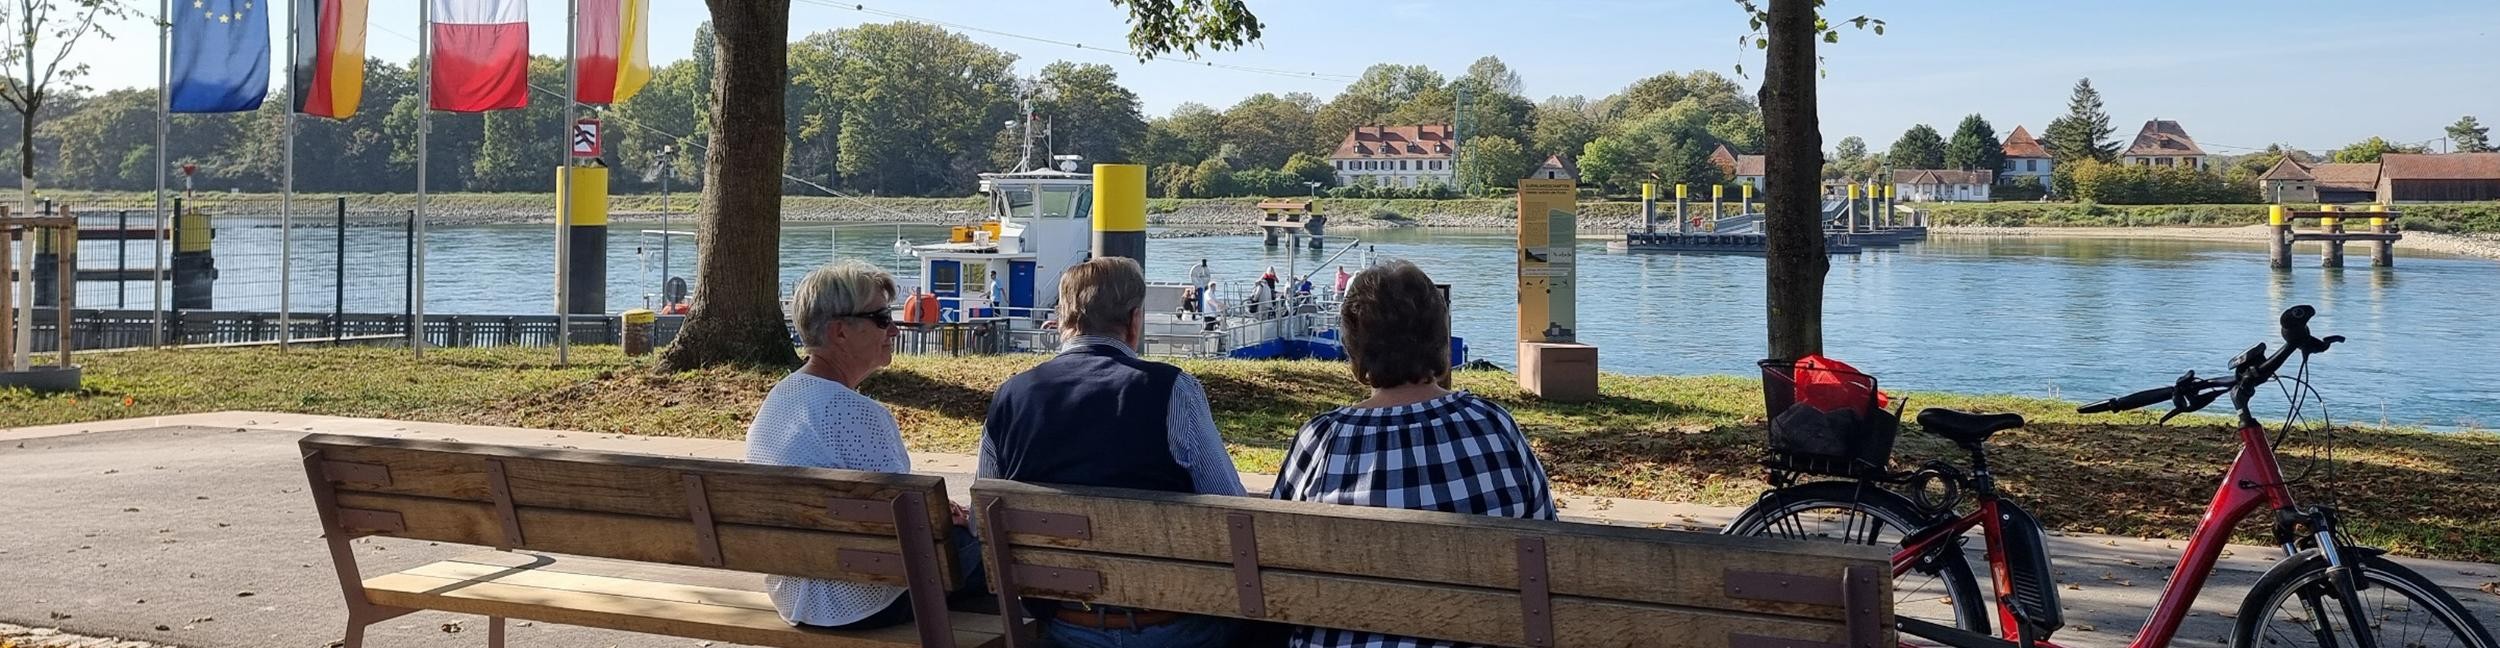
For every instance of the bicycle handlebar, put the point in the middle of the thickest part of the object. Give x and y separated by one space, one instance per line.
2190 394
2130 401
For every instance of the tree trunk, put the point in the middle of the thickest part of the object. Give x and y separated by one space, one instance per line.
1793 160
736 316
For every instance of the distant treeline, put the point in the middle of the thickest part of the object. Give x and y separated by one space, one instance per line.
909 109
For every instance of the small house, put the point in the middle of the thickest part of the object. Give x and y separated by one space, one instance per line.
2025 157
2163 143
1936 185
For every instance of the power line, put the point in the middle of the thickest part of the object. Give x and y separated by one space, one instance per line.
1326 76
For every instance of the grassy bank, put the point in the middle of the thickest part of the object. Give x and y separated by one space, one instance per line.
2452 218
1668 438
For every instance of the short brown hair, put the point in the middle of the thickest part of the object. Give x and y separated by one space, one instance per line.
1096 297
1397 326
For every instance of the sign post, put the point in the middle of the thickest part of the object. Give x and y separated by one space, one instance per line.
1552 364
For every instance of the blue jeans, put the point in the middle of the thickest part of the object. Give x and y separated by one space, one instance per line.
1185 632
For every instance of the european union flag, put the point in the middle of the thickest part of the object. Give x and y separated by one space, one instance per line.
221 55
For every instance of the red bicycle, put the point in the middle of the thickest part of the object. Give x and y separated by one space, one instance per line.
2329 593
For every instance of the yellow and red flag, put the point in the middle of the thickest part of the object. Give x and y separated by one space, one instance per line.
612 50
330 69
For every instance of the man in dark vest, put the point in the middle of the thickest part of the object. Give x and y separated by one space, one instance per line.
1097 415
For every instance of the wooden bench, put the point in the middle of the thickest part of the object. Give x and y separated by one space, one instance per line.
629 528
1466 578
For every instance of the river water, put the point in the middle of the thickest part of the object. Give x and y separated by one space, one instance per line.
2074 318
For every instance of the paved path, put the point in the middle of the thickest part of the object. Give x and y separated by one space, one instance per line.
195 531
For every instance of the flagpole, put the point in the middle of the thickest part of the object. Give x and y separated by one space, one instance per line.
425 125
286 193
564 194
164 109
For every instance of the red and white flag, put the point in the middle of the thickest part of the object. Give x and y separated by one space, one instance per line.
481 55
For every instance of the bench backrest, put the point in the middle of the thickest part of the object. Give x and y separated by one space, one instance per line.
818 523
1467 578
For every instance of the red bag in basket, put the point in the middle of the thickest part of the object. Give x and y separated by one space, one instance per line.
1832 386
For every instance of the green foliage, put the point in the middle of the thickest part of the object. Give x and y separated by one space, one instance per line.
1213 178
1919 148
1673 145
919 105
1563 125
2470 136
1269 183
1975 147
1089 113
2083 133
1714 93
1492 163
1162 26
1266 129
2153 185
2020 188
1850 160
1305 167
2369 150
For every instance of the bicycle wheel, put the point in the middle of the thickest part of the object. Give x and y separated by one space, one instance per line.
1940 589
2296 605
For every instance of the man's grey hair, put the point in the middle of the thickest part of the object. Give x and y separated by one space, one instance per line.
1096 297
847 288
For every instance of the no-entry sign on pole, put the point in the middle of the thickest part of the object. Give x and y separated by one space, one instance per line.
586 138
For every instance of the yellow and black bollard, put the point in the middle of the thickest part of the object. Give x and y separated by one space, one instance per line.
2279 246
1649 207
1120 211
195 261
1683 219
2333 255
1718 202
588 227
2383 250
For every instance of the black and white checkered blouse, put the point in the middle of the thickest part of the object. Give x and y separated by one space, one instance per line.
1457 453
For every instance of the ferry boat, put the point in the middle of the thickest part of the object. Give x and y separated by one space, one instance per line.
995 284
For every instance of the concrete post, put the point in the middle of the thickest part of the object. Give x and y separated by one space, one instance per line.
1718 204
1649 208
1746 190
2333 256
2382 252
2279 247
1683 218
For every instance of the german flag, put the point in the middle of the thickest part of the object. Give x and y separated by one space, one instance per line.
329 65
612 48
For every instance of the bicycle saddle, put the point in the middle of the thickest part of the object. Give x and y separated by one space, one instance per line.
1965 427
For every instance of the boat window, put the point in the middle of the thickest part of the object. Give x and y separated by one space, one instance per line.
1016 201
943 278
1061 201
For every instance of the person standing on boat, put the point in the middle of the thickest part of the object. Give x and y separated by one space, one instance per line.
817 418
1200 277
1342 278
1098 415
1264 295
996 296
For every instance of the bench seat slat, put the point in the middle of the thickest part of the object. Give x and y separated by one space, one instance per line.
1588 560
630 537
634 605
1465 614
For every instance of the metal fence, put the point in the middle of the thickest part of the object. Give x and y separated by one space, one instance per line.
115 329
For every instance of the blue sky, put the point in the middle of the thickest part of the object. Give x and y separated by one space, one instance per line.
2316 74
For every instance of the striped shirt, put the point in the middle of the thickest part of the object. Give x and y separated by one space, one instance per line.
814 422
1457 453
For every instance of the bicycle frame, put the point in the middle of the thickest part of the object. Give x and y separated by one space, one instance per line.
2255 479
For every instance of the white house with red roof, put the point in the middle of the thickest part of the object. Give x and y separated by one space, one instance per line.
1397 156
2025 157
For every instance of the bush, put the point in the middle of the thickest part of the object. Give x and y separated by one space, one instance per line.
2021 188
2150 185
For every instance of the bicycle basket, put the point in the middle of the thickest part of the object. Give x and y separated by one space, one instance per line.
1826 421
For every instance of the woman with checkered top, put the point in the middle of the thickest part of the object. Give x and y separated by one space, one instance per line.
1414 444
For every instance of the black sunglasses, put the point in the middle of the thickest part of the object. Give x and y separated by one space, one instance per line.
882 318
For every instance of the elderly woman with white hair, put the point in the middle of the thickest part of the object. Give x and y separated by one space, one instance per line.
817 418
